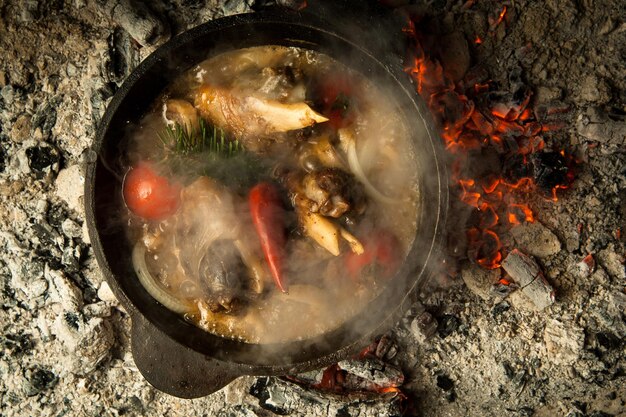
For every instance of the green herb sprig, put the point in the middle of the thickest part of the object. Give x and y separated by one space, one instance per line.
182 140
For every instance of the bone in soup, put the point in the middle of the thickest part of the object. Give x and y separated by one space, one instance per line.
272 193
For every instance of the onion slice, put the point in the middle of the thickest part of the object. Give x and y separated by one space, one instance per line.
347 137
152 286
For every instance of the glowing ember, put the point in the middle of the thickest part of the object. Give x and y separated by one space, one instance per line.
495 22
474 118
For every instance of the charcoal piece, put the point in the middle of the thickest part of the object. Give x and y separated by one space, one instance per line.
37 380
231 7
374 370
118 64
503 290
69 260
55 215
424 326
525 271
72 320
386 348
500 309
262 390
448 324
99 98
43 158
552 111
45 118
3 157
549 170
286 398
313 377
479 280
536 239
18 344
514 168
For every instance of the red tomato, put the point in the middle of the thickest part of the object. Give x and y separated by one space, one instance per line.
150 195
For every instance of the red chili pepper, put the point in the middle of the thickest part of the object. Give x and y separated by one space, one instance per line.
382 249
268 217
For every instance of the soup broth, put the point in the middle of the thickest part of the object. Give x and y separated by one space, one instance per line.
272 192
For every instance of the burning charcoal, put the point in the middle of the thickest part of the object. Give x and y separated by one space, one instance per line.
137 19
587 266
525 271
374 370
600 126
502 289
507 105
287 398
549 170
552 111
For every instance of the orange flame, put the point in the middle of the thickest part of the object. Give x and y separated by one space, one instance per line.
385 390
519 213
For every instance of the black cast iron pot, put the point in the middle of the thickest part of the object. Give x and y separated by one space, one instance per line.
172 354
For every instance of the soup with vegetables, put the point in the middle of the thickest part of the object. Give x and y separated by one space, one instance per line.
272 193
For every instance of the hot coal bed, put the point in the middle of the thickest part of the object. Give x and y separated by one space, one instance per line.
525 315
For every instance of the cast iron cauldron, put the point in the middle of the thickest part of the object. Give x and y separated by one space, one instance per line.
172 354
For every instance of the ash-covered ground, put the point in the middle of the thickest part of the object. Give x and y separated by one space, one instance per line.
464 349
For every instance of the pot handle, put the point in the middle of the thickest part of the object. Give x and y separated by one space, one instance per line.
173 368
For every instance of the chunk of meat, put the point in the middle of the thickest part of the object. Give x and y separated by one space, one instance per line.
247 115
330 192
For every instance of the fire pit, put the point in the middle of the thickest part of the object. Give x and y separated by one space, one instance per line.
519 319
